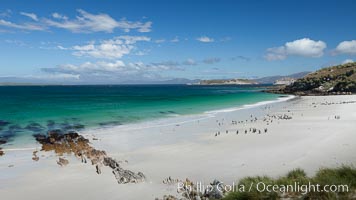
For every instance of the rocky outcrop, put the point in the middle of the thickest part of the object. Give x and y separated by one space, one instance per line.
122 175
73 143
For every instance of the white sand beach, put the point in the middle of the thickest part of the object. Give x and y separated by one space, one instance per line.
320 133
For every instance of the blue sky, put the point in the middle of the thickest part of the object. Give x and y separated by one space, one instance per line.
117 41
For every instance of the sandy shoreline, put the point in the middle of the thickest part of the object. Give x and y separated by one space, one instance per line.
313 138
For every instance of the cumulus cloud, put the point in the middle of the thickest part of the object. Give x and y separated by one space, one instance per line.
347 61
33 16
346 47
211 60
302 47
84 22
205 39
109 49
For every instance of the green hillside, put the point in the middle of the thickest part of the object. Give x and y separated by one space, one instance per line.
339 79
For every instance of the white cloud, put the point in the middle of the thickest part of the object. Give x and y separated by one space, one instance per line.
205 39
302 47
109 49
25 26
347 61
106 71
346 47
61 47
83 22
33 16
87 22
59 16
87 67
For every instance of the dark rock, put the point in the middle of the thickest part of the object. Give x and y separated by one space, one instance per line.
35 127
2 141
112 123
40 138
4 123
108 161
15 127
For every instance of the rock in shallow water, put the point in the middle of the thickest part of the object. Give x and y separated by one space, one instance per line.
2 141
4 123
34 127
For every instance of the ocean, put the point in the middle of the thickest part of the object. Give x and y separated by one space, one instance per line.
27 110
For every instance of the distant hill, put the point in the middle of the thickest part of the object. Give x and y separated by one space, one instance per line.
339 79
227 82
273 79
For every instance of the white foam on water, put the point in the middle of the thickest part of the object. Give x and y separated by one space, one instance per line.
261 103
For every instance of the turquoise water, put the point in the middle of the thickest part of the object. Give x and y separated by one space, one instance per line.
25 110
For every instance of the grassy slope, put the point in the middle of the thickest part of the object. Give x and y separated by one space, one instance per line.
340 78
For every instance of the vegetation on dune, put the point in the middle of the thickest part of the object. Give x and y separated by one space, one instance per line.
341 176
339 79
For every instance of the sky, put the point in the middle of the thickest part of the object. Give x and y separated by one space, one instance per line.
136 41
